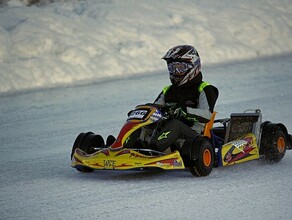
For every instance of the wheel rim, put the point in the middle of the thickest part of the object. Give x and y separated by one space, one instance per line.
281 144
207 157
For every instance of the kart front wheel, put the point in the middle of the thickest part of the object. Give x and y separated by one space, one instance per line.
273 143
86 142
77 143
203 165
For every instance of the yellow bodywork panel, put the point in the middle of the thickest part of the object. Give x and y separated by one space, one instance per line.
126 159
241 150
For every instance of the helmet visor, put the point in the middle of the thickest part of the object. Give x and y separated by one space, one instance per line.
179 68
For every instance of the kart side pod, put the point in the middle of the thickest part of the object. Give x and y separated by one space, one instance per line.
241 141
240 150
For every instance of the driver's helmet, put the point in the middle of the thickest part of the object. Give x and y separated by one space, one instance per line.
183 64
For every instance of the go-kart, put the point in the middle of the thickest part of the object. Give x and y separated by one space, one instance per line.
240 138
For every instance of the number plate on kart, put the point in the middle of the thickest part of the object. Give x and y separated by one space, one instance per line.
138 114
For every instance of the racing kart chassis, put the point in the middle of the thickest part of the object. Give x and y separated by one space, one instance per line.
242 137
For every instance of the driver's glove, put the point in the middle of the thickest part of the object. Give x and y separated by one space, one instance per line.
180 112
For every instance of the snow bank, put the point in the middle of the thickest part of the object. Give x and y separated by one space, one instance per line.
77 42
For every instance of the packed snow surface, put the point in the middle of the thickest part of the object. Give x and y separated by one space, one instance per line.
109 53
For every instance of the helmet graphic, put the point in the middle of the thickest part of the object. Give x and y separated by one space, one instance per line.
183 64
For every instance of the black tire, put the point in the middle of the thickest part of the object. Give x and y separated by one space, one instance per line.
289 147
77 143
203 165
86 142
110 140
90 141
273 143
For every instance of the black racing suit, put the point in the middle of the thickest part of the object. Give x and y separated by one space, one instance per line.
198 100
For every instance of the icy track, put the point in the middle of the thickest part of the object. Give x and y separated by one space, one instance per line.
116 45
38 129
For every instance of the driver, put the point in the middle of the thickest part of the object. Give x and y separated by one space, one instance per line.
194 97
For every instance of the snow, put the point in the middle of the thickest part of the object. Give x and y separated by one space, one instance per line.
101 58
76 42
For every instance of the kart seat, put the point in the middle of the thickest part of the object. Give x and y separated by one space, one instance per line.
219 132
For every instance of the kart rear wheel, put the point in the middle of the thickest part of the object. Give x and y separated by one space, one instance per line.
273 143
203 165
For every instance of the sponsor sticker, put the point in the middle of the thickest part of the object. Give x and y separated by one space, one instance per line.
156 115
109 163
